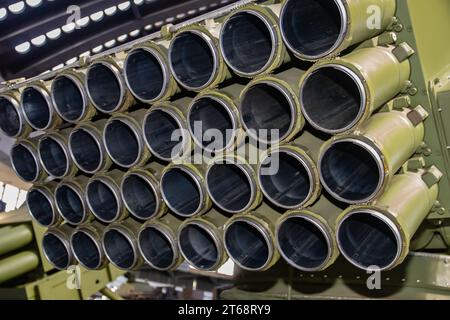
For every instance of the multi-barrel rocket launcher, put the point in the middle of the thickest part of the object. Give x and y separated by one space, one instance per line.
348 101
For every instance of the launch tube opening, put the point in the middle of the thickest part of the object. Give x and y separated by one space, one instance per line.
288 184
193 59
247 42
24 163
303 243
119 249
266 106
122 142
68 98
86 150
86 250
103 201
40 207
157 248
104 87
247 244
53 157
214 117
369 239
352 171
230 186
10 121
333 99
36 107
139 196
199 246
313 28
145 74
70 204
182 192
56 251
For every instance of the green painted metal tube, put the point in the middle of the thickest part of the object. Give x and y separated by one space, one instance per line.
306 238
56 246
11 103
17 265
357 167
25 161
15 238
86 244
379 234
366 79
249 239
41 205
357 20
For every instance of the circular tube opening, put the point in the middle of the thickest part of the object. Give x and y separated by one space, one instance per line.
140 196
56 251
313 28
332 99
68 98
53 157
40 206
161 130
247 245
369 239
86 250
36 107
303 243
193 59
182 192
211 124
122 143
267 110
70 204
285 179
86 151
104 87
145 74
230 186
10 121
119 249
24 162
198 246
157 248
247 43
103 201
351 171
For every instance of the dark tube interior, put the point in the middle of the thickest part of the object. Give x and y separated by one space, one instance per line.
104 87
192 59
198 246
119 249
311 27
288 183
70 204
229 186
40 207
139 196
265 107
303 243
156 248
211 124
102 201
68 98
158 129
55 251
122 143
9 118
53 157
367 240
181 192
86 250
246 245
331 99
247 43
36 108
24 163
144 74
85 150
350 171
